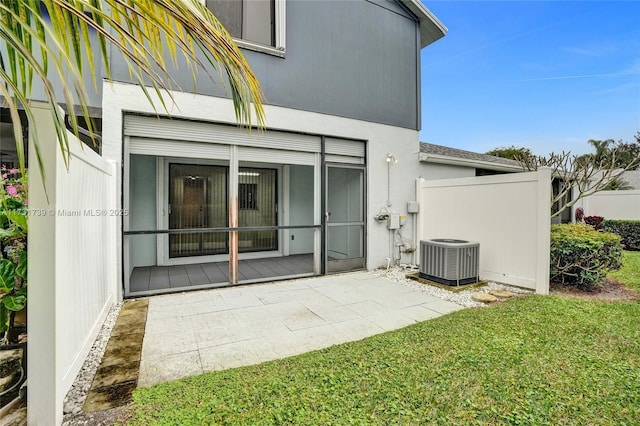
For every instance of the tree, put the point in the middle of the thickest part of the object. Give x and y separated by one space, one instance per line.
625 152
581 176
48 39
629 152
513 153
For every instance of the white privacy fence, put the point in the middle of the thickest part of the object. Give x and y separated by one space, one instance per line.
72 265
509 215
622 205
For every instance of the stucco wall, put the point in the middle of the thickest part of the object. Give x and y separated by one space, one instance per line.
301 208
356 59
142 210
632 178
435 171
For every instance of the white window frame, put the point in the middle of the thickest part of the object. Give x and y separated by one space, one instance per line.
280 15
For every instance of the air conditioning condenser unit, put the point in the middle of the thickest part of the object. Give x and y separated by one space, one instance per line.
449 261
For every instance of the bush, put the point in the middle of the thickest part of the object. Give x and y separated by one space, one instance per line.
582 256
629 231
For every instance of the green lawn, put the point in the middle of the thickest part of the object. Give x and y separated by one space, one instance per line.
630 272
534 360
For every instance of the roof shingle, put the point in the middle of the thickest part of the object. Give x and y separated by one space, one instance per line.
429 148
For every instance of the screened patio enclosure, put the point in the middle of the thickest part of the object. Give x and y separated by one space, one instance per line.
198 198
213 205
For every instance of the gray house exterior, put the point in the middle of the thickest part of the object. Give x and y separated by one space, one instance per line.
443 162
354 59
198 202
210 204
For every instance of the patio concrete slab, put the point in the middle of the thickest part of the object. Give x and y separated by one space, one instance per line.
190 333
170 367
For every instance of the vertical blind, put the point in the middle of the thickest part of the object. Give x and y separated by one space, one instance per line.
198 198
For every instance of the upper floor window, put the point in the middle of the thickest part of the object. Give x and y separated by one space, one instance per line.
255 24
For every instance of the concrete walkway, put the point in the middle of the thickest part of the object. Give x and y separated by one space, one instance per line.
189 333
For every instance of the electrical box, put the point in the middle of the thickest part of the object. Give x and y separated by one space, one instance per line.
402 218
413 207
394 221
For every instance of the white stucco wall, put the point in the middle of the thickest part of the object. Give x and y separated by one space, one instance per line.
632 177
142 211
382 139
435 171
301 208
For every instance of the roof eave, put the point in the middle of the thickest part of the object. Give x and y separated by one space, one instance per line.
454 161
431 29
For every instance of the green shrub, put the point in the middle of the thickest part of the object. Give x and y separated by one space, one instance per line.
582 256
629 231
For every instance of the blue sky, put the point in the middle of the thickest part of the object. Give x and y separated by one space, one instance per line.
546 75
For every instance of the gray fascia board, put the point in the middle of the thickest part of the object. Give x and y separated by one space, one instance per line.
431 29
443 159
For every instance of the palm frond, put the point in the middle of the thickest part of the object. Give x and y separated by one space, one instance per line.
55 40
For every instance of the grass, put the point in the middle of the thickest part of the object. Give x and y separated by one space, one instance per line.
535 360
630 272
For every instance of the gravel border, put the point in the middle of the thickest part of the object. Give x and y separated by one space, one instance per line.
463 298
80 389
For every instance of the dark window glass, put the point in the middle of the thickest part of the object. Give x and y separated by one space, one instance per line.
198 199
229 12
247 196
250 20
198 196
8 152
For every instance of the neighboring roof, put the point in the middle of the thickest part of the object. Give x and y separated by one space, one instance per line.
431 153
431 29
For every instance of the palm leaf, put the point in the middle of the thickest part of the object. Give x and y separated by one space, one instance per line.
15 41
142 31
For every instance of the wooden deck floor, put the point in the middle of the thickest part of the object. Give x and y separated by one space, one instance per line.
168 278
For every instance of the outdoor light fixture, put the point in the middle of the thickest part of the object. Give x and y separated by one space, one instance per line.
391 159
